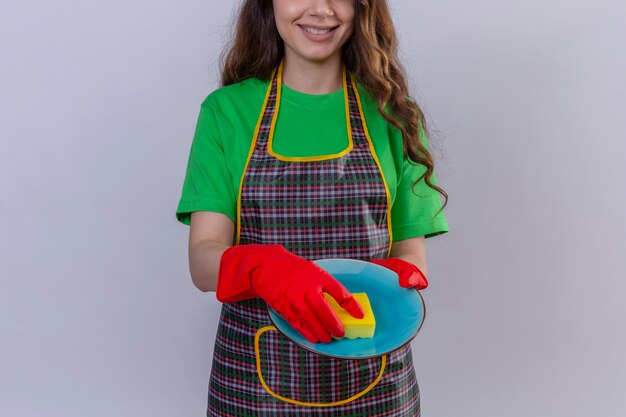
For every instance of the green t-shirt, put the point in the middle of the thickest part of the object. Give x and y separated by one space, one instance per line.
224 133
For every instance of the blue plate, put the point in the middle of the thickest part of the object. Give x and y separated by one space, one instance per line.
399 311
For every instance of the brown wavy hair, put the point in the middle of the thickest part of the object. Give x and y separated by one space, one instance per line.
370 55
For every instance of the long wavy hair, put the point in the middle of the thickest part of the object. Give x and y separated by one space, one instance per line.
370 55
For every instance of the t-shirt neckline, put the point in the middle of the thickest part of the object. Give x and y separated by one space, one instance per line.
312 100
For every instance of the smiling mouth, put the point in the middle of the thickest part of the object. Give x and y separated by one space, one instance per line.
317 31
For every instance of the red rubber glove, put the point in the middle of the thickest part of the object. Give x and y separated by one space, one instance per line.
291 285
409 274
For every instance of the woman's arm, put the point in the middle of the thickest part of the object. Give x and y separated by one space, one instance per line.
210 234
412 250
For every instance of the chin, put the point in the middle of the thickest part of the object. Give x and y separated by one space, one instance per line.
317 56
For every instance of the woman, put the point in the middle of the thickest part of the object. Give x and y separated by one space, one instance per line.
310 149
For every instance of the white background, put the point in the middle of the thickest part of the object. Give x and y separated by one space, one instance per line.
98 104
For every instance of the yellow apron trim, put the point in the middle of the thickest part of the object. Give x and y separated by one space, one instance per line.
371 145
270 142
250 152
383 363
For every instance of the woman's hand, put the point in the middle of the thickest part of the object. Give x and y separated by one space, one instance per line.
291 285
409 275
404 259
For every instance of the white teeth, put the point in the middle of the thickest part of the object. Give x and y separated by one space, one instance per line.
316 31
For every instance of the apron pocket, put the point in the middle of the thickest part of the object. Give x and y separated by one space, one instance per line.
293 373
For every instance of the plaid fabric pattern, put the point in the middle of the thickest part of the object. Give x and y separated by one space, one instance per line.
334 208
341 203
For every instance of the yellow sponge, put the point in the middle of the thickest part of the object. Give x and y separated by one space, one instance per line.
355 328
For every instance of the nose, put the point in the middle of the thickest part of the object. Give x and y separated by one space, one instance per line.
322 8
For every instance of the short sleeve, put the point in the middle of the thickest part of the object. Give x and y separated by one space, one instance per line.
413 210
208 181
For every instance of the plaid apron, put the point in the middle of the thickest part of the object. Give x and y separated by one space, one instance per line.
333 206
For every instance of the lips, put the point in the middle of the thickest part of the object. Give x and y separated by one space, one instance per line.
317 30
318 34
